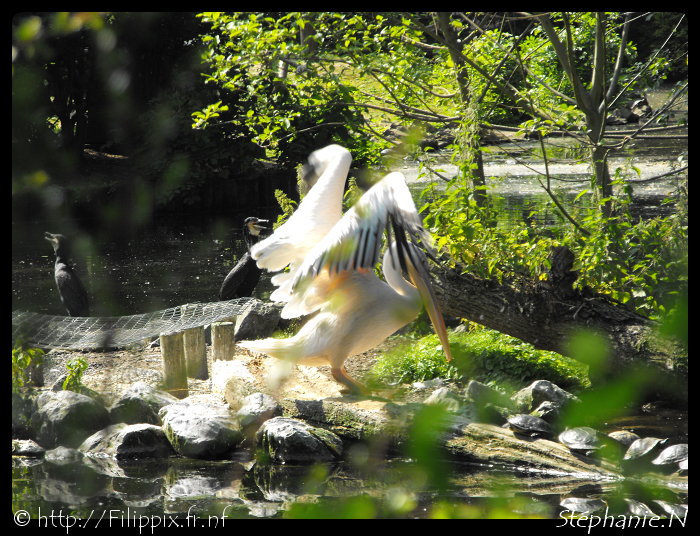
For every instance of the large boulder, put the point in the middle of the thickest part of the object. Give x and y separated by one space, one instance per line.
66 419
201 429
286 440
128 441
259 322
257 408
540 391
140 403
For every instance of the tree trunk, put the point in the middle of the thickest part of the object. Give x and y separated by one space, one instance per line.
546 313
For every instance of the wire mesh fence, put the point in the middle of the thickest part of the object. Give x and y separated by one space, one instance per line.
47 331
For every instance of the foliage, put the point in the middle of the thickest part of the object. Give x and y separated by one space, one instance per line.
24 357
651 32
506 360
415 361
287 206
642 263
76 366
483 355
289 115
350 73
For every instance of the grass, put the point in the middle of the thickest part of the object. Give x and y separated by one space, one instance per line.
484 355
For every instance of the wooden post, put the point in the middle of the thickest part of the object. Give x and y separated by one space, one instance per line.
174 368
223 340
196 353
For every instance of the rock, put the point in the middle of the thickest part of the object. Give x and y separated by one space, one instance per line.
28 448
482 395
21 416
628 115
549 411
365 420
66 418
200 430
57 386
233 380
447 398
427 384
257 408
127 441
63 456
642 108
291 441
140 403
613 120
493 414
258 323
541 391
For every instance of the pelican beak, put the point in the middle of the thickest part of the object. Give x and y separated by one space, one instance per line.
421 280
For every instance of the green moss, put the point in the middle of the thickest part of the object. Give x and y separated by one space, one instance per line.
484 355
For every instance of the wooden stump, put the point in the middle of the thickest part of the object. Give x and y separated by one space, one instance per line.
174 364
223 340
195 353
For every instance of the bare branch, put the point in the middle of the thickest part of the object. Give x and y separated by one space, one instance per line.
420 44
554 198
653 117
620 57
624 89
399 113
658 177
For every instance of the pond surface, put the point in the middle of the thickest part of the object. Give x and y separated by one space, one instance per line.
176 260
363 486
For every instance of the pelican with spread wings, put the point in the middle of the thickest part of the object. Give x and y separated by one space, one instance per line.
331 259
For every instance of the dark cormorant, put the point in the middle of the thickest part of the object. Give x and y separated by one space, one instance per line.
244 277
70 288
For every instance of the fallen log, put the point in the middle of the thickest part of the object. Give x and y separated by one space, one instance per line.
547 313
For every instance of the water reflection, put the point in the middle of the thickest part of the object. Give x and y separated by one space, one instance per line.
241 489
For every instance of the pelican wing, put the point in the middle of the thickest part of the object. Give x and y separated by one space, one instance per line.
315 217
355 243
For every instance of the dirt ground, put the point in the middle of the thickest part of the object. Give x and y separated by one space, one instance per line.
110 373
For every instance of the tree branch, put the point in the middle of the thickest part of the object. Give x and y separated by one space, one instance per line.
522 65
620 57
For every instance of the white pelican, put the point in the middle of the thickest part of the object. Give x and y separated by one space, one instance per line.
332 258
244 277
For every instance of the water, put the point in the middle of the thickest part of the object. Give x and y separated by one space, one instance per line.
174 261
237 488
